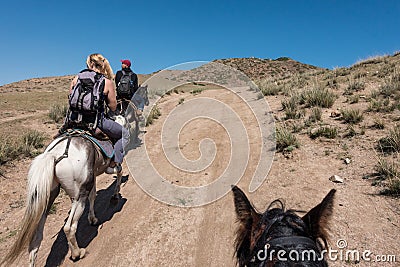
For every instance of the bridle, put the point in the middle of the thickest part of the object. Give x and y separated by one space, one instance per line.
269 247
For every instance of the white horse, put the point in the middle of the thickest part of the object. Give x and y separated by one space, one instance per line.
73 164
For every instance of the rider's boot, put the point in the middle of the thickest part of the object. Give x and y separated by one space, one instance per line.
114 170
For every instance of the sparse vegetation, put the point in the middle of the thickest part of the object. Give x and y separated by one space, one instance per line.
197 91
9 150
351 131
291 107
27 145
285 139
388 171
31 141
325 131
378 124
390 143
9 235
353 99
58 112
53 208
351 116
316 114
268 87
355 85
318 97
154 114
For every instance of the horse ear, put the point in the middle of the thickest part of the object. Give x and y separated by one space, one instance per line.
318 217
244 210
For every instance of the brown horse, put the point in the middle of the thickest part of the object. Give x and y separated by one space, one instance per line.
279 237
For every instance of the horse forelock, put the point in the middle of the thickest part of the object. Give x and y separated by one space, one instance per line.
276 222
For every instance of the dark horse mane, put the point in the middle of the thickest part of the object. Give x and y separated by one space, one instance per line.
280 228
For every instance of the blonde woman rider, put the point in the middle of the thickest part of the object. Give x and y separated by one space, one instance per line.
99 64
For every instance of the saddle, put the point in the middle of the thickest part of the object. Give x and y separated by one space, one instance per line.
99 139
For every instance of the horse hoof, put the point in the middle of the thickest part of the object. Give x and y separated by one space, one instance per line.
82 253
93 221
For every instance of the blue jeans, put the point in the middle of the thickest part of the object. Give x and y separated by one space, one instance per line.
114 131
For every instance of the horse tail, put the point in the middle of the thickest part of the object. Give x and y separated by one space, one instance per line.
40 176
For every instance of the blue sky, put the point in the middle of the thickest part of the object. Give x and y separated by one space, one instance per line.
52 38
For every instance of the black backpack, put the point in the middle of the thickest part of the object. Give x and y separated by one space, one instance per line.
125 85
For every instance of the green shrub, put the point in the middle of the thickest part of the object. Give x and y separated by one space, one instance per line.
351 131
196 91
318 97
325 131
268 87
378 124
351 116
291 108
26 145
353 99
390 143
391 86
57 113
389 171
285 139
155 113
381 105
9 149
316 114
354 86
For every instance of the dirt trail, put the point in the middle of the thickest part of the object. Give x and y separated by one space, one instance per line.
23 116
141 231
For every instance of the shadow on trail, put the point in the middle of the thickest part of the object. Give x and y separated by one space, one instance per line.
104 210
134 141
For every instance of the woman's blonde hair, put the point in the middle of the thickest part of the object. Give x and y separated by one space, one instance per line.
101 64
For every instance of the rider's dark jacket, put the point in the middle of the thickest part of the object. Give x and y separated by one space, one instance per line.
134 78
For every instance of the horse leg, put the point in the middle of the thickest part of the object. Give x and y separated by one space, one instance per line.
92 197
38 237
115 196
78 206
136 134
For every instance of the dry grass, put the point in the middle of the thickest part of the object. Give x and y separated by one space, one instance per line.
390 143
325 131
388 175
29 145
285 140
352 116
154 114
317 97
58 112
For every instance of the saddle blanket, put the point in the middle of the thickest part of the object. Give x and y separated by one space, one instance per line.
105 146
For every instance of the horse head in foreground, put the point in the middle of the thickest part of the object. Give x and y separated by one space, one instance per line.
71 162
279 237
